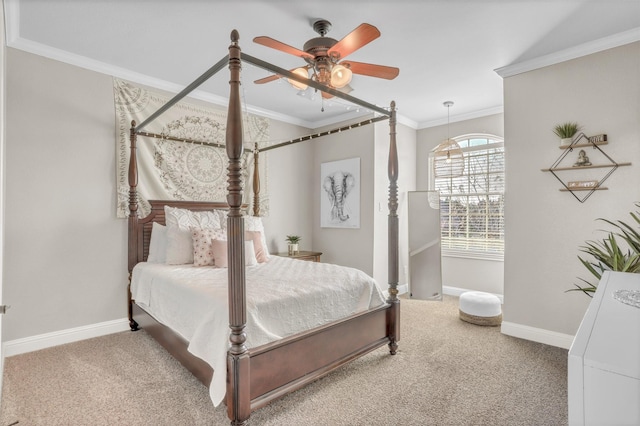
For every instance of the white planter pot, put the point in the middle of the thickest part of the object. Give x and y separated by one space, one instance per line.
293 249
565 142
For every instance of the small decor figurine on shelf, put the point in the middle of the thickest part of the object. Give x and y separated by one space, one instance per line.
566 132
583 160
293 241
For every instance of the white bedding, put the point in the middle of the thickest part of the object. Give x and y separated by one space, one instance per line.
284 297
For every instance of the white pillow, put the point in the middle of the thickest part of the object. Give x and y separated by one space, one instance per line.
179 223
222 217
219 248
158 244
249 254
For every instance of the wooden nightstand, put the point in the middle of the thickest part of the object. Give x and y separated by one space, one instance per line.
313 256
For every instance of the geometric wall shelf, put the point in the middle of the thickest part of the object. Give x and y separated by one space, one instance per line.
593 175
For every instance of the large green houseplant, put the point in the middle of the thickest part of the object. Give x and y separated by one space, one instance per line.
618 251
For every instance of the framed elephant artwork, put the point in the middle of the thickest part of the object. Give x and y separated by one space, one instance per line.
340 194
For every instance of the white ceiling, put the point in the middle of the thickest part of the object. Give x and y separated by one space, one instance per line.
445 49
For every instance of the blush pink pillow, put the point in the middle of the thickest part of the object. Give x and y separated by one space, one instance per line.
219 248
256 237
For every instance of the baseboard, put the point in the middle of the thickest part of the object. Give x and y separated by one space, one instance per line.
523 331
539 335
47 340
457 291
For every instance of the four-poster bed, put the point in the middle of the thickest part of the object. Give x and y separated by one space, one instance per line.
257 375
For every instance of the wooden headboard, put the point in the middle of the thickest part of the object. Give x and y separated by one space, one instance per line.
140 234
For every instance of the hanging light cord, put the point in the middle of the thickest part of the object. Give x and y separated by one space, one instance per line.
448 118
448 105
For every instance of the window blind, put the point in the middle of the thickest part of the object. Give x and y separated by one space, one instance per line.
472 205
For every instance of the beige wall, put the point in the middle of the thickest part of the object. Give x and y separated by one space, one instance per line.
65 262
545 227
3 53
65 252
65 259
349 247
469 274
365 248
289 183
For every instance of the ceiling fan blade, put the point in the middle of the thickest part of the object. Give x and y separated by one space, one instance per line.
267 79
353 41
278 45
372 70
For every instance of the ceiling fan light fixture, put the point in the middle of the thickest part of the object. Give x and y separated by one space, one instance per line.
302 72
340 76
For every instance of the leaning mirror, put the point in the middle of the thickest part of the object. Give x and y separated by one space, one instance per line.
425 268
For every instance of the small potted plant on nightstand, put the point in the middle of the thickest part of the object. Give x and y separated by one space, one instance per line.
293 241
565 132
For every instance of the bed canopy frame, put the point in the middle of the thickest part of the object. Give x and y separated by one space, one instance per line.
259 375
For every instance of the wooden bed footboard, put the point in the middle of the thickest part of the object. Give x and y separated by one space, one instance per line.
287 365
281 367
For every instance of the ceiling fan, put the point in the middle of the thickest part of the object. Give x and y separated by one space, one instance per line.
325 57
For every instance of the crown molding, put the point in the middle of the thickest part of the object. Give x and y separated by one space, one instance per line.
412 124
584 49
135 77
11 19
462 117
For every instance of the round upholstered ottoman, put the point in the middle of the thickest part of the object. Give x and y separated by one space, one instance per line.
480 308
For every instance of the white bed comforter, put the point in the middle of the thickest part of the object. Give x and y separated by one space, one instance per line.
284 297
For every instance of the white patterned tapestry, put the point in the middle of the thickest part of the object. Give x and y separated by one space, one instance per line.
170 170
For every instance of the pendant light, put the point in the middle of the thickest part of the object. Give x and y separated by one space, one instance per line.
448 159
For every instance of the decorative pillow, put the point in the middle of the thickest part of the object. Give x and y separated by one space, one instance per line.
179 240
219 248
251 224
256 237
158 244
202 250
254 223
222 217
249 254
185 218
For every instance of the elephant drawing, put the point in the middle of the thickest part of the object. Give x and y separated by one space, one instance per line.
338 186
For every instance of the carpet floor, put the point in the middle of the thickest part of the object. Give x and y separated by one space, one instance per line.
446 372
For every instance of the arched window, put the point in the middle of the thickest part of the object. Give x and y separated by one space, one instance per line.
472 205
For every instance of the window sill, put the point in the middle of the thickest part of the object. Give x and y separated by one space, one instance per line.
497 257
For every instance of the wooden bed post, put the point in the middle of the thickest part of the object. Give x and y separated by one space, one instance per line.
394 312
238 384
256 181
133 216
